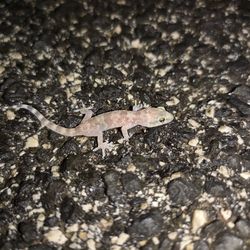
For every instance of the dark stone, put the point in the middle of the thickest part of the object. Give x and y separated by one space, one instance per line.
27 230
229 144
55 192
147 32
240 106
141 77
51 221
109 92
23 198
165 243
216 187
114 73
70 211
243 227
182 192
242 93
234 162
245 159
201 245
5 218
92 179
6 156
69 147
72 163
131 182
244 7
240 99
70 121
212 229
41 247
213 148
43 155
15 92
240 66
226 241
113 185
116 56
147 225
42 178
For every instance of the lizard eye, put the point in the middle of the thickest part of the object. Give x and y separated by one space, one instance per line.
162 119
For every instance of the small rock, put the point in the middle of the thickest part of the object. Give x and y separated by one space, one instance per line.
201 245
32 142
123 237
28 231
72 163
182 192
131 182
225 129
54 195
91 244
56 236
166 243
146 225
69 147
243 226
227 241
240 99
215 187
70 211
193 142
112 181
199 219
242 93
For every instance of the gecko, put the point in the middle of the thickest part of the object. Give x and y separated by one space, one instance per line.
94 126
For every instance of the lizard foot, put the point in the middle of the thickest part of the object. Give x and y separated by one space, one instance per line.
103 147
83 110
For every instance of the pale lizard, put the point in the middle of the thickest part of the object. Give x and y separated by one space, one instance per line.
95 126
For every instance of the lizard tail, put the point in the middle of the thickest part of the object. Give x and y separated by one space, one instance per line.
46 123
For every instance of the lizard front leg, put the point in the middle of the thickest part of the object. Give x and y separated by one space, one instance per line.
87 114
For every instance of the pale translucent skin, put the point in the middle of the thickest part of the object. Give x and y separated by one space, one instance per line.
95 126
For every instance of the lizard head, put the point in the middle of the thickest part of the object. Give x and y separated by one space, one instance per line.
153 117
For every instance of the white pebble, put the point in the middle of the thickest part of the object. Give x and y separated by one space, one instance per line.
199 219
91 244
173 101
193 142
10 115
225 129
123 237
56 236
175 35
32 142
194 124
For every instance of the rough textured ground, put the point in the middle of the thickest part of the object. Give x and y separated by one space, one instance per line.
181 186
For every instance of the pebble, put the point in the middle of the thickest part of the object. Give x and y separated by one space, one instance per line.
32 142
199 219
147 225
56 236
91 244
225 129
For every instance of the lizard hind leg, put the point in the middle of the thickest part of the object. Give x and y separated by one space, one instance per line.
103 145
125 133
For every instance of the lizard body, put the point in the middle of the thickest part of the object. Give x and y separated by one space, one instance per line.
95 126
